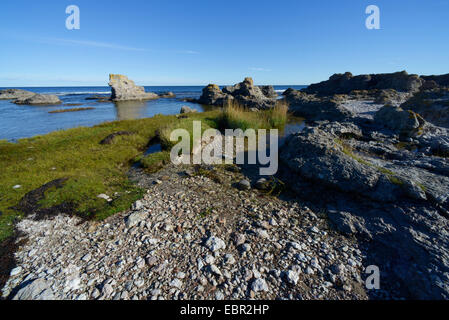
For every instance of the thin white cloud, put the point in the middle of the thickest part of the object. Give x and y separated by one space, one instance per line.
260 69
95 44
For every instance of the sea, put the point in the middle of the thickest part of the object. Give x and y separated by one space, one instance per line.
22 121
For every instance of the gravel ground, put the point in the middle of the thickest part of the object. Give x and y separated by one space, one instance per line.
193 236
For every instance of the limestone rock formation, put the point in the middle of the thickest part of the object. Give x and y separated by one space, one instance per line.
39 99
405 123
11 94
313 107
440 80
432 105
345 83
124 89
390 198
212 95
244 93
187 109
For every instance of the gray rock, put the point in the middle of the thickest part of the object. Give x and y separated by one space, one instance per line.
186 109
39 99
291 277
314 107
124 89
346 83
135 218
405 123
38 289
259 285
138 205
244 185
12 94
168 94
215 244
245 94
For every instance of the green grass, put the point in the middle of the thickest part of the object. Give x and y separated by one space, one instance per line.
187 124
156 161
91 168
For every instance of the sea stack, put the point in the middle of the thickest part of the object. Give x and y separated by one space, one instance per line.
124 89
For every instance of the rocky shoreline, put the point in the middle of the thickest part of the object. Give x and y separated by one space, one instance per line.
376 145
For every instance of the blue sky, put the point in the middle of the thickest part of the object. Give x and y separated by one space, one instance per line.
199 42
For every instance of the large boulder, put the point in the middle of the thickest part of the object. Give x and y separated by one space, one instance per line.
346 83
38 289
314 107
406 123
11 94
124 89
39 99
245 93
212 95
432 105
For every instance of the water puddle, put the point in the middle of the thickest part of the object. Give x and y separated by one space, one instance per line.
154 148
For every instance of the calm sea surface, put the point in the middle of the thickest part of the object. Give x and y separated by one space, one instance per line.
19 121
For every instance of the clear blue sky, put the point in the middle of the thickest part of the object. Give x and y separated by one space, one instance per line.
198 42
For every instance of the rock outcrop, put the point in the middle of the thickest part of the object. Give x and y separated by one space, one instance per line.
39 99
314 107
432 105
440 80
245 93
212 95
391 196
407 124
12 94
346 83
124 89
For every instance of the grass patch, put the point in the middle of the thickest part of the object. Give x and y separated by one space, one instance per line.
235 116
91 168
348 151
71 110
186 124
156 161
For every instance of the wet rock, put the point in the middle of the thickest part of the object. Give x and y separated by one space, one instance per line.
39 99
12 94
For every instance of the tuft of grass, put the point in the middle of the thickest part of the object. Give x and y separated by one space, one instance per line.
235 116
186 124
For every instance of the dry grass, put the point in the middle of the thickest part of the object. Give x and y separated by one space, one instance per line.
236 116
